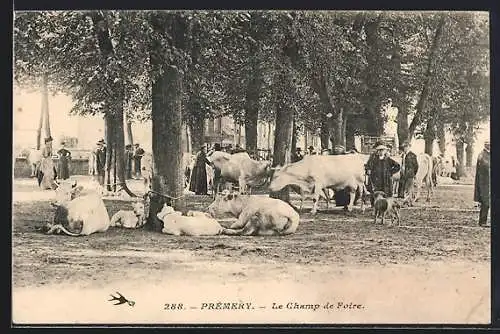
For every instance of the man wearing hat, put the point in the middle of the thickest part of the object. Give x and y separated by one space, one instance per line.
409 168
129 156
138 153
63 163
380 169
100 163
311 150
297 155
482 183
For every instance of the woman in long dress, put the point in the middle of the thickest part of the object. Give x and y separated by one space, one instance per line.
47 171
198 182
63 164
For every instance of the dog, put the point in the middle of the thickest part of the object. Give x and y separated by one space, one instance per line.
384 205
130 219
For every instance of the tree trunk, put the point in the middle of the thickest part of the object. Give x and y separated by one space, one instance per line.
45 104
39 130
350 133
441 136
324 135
294 136
113 119
166 115
129 139
252 106
429 136
338 133
402 119
460 156
282 134
469 151
429 76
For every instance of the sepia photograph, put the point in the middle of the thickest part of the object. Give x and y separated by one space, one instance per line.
197 167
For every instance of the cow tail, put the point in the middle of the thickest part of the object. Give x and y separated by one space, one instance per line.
230 231
61 228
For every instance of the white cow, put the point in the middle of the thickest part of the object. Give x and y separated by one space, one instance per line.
239 167
316 172
33 158
78 212
196 224
130 218
256 215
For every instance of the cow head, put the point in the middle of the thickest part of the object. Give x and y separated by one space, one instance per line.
138 208
226 202
65 192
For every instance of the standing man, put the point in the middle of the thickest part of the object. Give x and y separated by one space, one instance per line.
129 156
100 155
63 164
380 169
409 168
297 155
138 153
482 183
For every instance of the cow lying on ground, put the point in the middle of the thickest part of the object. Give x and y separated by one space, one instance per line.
256 215
130 218
316 172
383 206
78 212
240 168
196 224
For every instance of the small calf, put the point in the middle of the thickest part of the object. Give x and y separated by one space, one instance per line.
197 224
130 219
384 205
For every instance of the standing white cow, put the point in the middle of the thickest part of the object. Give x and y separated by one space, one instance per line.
317 172
423 177
239 167
78 212
34 158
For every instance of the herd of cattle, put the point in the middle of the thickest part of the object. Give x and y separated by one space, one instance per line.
81 211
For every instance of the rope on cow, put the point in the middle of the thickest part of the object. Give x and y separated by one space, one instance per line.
166 196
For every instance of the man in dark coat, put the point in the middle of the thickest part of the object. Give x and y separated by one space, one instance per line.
63 163
409 167
380 168
198 183
342 197
297 155
482 183
129 157
138 153
100 154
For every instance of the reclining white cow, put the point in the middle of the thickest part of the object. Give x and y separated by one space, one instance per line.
193 224
78 212
256 215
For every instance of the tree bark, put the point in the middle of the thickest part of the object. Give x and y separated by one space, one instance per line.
282 134
460 156
39 130
167 90
350 133
324 135
113 119
294 136
252 105
45 104
429 136
338 134
469 151
429 76
130 137
441 136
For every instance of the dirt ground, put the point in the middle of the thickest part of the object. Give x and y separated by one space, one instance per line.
435 268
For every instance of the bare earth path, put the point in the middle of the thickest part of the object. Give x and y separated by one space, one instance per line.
433 269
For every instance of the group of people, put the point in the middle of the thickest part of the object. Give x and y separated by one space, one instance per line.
97 161
47 172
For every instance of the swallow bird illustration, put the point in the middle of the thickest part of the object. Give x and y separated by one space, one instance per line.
121 299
